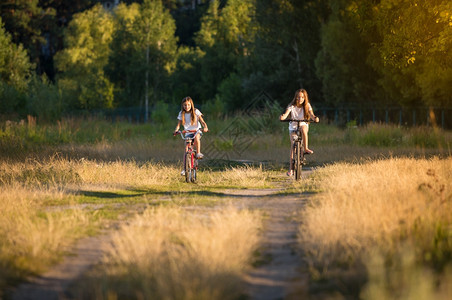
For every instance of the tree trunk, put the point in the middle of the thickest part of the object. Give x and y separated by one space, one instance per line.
146 92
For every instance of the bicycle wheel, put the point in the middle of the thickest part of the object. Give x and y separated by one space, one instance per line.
195 170
188 167
297 162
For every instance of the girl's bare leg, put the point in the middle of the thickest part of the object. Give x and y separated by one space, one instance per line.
198 144
304 132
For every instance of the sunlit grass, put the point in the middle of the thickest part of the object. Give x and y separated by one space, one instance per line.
42 211
169 253
31 238
103 140
382 205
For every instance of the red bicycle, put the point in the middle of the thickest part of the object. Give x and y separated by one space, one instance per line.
190 160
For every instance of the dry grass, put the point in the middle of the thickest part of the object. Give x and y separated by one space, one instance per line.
382 205
34 235
31 238
169 253
405 280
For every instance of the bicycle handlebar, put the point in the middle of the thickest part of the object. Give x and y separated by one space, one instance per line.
184 132
293 120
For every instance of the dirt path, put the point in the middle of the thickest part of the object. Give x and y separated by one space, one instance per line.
278 276
54 283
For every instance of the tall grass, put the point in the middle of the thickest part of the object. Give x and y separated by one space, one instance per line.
169 253
97 138
31 238
39 216
381 205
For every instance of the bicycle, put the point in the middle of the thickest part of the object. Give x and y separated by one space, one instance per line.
298 158
190 160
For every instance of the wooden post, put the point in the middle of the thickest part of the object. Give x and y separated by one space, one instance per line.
414 117
400 117
387 116
373 115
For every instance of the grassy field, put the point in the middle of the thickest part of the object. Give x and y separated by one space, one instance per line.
378 223
48 205
381 229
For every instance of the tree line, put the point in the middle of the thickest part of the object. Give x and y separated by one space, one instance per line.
57 56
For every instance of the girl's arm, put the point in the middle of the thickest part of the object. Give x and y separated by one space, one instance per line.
313 117
177 126
285 114
204 125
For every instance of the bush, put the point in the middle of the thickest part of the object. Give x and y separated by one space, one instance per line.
214 109
44 100
11 100
160 114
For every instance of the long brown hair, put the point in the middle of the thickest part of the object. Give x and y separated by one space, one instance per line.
192 111
305 103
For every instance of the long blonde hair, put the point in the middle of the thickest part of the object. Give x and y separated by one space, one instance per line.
305 103
192 111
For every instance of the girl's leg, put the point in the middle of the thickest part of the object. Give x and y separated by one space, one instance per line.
198 143
304 132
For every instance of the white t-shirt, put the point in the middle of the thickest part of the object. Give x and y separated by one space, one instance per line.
298 114
188 125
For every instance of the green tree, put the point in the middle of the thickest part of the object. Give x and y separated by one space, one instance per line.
414 53
341 63
15 71
24 20
15 66
82 62
286 44
226 38
145 40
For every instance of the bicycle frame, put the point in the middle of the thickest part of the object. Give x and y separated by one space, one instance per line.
190 160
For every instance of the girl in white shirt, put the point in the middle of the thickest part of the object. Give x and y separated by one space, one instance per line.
300 109
191 119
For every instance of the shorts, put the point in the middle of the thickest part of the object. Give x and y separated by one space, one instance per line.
302 124
192 135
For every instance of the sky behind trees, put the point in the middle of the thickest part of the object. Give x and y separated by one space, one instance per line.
357 53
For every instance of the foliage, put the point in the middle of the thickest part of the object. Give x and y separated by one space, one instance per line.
348 52
416 42
341 62
15 66
143 52
286 45
44 99
389 51
226 37
160 114
82 63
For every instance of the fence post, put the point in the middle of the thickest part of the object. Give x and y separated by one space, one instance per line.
400 117
387 116
414 117
348 115
442 119
360 118
336 117
373 115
